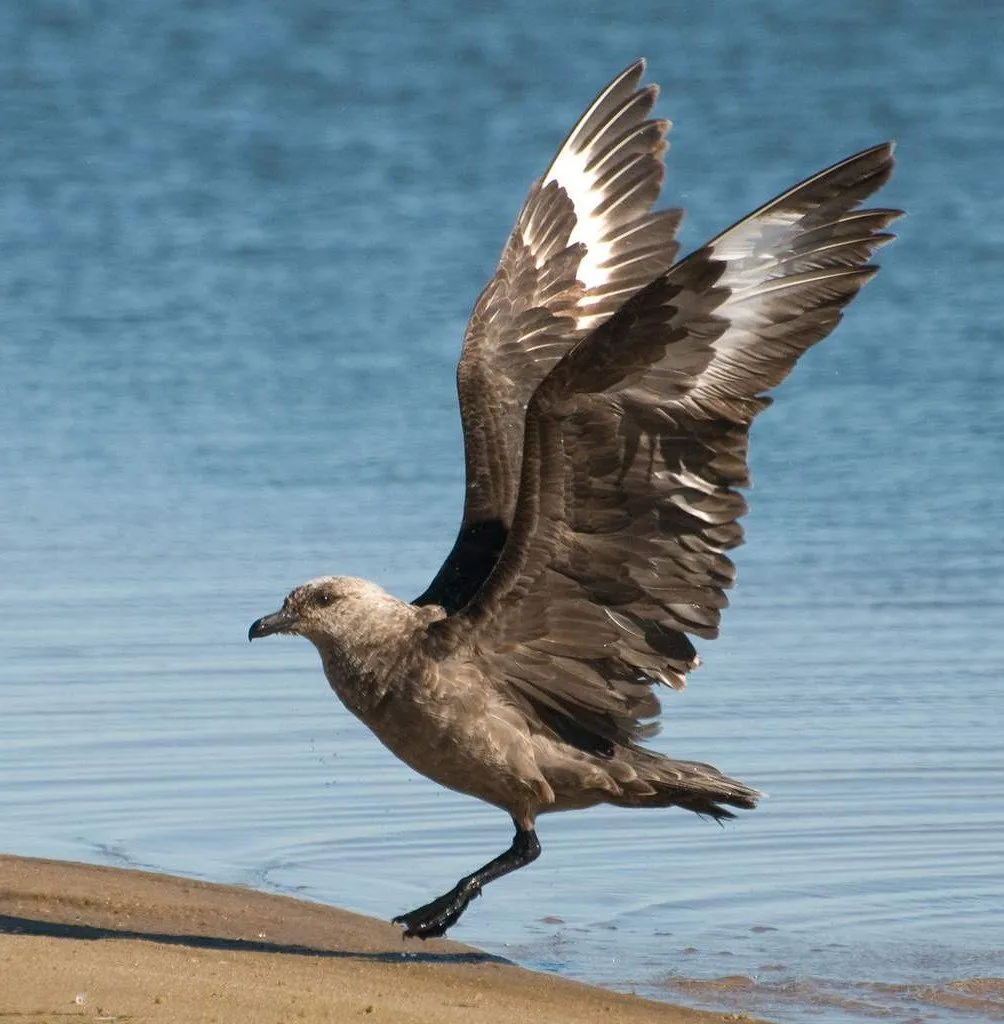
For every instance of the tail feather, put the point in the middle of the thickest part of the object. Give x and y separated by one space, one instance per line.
662 782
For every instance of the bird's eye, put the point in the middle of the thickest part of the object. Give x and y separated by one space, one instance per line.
323 600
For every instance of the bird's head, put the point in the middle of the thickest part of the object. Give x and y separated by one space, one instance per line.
331 609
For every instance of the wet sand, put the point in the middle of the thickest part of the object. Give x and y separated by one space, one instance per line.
79 942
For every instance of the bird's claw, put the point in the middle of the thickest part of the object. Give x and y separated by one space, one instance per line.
434 918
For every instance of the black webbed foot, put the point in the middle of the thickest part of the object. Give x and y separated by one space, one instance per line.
434 918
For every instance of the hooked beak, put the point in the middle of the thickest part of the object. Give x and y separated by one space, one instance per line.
283 621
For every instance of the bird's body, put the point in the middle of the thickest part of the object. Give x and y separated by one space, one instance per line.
606 394
450 722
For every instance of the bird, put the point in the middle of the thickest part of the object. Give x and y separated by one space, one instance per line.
607 388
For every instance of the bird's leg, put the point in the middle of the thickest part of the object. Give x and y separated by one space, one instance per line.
442 913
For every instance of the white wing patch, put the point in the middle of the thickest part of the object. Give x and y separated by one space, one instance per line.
790 269
610 167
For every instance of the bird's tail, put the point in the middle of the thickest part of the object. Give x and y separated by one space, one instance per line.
662 782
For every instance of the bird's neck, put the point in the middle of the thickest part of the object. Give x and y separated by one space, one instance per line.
365 671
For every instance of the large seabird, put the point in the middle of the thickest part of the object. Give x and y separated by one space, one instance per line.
607 392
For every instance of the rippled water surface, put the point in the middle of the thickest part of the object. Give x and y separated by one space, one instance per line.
239 245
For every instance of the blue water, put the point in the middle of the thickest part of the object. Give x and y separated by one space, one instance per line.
238 246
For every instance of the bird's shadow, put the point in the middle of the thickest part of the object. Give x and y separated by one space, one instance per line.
61 930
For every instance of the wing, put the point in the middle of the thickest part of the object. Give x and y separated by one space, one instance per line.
635 446
583 243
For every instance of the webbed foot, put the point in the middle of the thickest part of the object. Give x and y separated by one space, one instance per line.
434 918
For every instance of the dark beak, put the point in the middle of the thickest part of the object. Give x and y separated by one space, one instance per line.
283 621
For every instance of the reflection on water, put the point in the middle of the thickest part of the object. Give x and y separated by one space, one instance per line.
236 269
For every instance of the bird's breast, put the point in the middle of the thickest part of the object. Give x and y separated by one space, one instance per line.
454 730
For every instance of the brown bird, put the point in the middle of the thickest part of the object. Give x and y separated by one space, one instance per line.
606 392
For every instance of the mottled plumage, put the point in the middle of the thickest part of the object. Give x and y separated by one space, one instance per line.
606 394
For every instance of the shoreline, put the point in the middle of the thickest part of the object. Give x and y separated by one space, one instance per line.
86 942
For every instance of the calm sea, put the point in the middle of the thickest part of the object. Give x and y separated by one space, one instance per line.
238 246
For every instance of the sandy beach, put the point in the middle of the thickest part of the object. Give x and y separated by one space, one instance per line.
79 942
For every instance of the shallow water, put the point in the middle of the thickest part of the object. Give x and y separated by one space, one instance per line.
240 245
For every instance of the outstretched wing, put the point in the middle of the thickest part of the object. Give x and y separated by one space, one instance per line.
584 242
635 446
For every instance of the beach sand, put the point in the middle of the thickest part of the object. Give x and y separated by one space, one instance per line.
101 944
